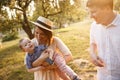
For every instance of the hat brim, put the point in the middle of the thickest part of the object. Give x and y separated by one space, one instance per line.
41 26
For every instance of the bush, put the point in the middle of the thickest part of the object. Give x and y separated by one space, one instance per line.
10 37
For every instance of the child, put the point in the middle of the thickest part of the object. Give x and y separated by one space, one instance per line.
34 53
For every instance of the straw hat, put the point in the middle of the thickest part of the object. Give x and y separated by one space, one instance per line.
44 23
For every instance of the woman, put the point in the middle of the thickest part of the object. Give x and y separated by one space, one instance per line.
43 35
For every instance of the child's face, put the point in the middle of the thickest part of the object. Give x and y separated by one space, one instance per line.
27 45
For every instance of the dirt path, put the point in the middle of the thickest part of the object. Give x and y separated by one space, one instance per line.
87 69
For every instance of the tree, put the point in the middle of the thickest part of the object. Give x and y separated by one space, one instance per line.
59 11
4 3
22 7
117 5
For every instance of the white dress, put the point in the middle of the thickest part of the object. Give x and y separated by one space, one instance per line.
108 45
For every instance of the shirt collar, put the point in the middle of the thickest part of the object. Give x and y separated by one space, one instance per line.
114 22
35 50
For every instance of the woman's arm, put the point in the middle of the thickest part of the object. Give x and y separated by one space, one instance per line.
68 57
35 69
63 49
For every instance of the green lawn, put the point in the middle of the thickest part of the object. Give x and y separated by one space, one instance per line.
76 37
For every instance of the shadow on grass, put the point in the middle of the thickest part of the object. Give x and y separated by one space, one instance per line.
9 52
11 64
20 74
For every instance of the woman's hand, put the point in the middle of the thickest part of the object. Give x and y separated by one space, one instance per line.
44 55
41 59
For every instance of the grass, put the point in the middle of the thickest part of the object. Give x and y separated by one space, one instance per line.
76 37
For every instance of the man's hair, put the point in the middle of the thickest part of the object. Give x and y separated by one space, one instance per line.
100 3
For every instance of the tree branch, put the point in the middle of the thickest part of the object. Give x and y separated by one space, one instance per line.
27 3
54 13
17 9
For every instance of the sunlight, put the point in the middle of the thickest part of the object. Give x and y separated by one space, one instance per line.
31 8
11 12
71 2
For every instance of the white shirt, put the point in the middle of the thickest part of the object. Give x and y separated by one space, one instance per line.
108 45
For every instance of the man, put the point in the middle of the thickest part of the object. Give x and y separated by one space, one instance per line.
105 39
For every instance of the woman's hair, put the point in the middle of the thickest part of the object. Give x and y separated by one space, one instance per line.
49 34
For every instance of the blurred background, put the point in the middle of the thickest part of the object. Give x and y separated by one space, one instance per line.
71 24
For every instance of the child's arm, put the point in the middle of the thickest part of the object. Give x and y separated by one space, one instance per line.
35 69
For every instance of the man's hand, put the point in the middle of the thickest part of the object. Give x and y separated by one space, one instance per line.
97 61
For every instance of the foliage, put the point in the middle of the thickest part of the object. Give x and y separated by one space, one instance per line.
4 3
9 37
8 26
117 5
20 8
9 29
60 13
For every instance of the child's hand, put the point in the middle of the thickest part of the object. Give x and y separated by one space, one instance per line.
50 52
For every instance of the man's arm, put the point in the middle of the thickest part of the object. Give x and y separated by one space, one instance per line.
94 58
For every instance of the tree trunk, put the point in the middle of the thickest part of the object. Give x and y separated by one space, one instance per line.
26 26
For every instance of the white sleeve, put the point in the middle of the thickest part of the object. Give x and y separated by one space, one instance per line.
61 46
92 30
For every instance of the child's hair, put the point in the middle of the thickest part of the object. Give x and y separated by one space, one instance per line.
20 41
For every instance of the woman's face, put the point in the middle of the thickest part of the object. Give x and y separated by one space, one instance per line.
40 35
